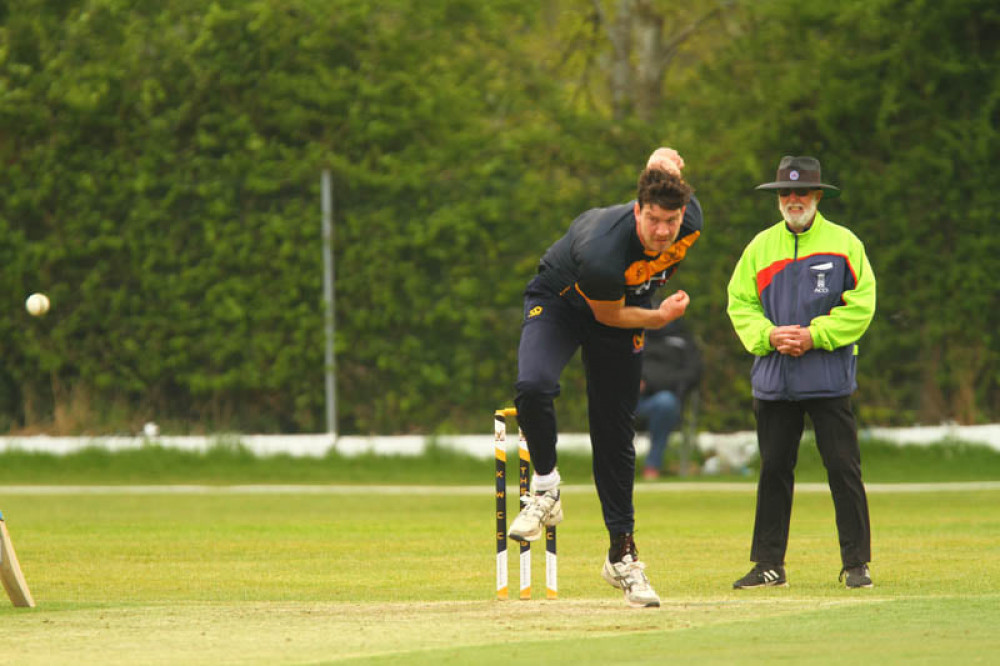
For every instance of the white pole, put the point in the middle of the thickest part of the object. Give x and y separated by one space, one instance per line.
328 297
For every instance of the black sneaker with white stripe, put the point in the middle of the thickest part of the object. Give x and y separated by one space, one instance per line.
763 575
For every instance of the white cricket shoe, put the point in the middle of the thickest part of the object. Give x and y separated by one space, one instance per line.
628 575
538 510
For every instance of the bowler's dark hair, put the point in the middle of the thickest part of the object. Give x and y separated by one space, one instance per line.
663 188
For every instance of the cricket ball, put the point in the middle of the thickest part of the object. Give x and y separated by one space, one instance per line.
37 304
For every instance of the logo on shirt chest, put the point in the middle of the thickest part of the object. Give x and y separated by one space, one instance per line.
646 274
642 276
819 273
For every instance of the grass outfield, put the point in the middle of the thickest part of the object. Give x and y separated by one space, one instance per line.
355 576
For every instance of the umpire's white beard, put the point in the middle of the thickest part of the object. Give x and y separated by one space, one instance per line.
797 216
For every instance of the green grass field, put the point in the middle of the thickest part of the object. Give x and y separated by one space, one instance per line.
354 575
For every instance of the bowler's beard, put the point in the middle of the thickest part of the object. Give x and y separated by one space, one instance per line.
798 220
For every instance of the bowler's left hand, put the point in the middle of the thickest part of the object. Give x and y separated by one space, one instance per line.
673 306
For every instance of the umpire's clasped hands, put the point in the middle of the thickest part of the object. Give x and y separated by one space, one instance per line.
792 340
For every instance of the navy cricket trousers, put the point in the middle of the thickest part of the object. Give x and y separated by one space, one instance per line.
552 331
779 430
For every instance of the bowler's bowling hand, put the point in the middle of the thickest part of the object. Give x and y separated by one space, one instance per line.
666 159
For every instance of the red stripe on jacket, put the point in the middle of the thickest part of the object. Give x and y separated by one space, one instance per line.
765 276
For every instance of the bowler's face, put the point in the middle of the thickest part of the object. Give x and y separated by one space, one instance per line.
657 227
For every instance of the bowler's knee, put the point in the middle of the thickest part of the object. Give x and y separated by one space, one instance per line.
536 388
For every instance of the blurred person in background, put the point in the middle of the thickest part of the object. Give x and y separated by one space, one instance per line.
671 369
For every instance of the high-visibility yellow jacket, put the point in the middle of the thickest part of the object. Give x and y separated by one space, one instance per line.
820 278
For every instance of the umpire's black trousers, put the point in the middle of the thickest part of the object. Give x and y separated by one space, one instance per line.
779 430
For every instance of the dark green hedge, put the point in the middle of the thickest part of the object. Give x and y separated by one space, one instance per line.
161 170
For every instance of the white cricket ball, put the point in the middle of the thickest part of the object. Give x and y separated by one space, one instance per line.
37 305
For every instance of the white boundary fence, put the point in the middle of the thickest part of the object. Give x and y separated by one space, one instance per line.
735 447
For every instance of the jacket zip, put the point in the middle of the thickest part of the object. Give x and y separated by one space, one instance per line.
785 370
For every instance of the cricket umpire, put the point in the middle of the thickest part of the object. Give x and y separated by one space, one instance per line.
800 298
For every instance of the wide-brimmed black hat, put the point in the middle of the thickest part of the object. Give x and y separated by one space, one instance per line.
799 172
